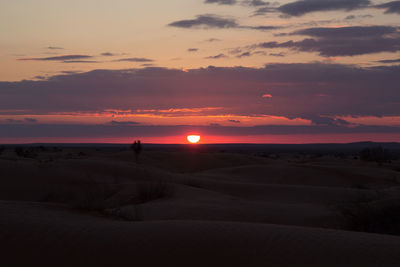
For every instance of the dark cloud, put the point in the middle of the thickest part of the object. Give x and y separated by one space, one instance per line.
389 61
249 54
391 7
213 21
344 41
31 120
57 58
193 50
234 121
108 54
217 56
265 10
26 120
80 61
206 21
303 7
54 48
256 3
126 123
221 2
277 54
134 59
262 28
245 54
328 121
350 17
13 121
213 40
298 90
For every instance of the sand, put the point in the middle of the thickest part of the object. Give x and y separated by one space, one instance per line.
190 209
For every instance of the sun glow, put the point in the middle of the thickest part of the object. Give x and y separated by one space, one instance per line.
194 139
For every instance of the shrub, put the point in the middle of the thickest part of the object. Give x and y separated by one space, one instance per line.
377 154
25 153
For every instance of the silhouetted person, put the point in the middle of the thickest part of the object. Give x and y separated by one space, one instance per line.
137 148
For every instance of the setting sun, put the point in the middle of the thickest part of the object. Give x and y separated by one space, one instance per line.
194 139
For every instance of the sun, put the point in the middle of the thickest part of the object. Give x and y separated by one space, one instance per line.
194 139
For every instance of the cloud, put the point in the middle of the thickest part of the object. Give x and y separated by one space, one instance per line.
108 54
391 7
31 120
124 123
255 3
262 28
244 54
234 121
57 58
350 17
277 54
298 90
26 120
213 40
303 7
343 41
213 21
328 121
80 61
134 59
234 2
265 10
389 61
193 50
206 21
221 2
217 56
54 48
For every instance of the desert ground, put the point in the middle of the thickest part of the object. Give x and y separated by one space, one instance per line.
190 206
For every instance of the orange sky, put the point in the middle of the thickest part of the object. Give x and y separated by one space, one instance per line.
296 71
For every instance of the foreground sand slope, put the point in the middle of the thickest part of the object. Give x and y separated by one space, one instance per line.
47 235
190 209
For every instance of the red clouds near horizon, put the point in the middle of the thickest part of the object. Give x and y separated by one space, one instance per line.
294 91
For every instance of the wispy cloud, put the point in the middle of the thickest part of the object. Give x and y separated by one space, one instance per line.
206 21
134 59
213 21
221 2
219 56
389 61
54 48
57 58
108 54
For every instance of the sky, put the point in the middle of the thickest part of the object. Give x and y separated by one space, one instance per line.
232 71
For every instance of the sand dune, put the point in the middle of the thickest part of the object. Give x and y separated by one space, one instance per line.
51 236
190 209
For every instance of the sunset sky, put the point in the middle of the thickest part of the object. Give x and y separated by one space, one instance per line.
232 71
